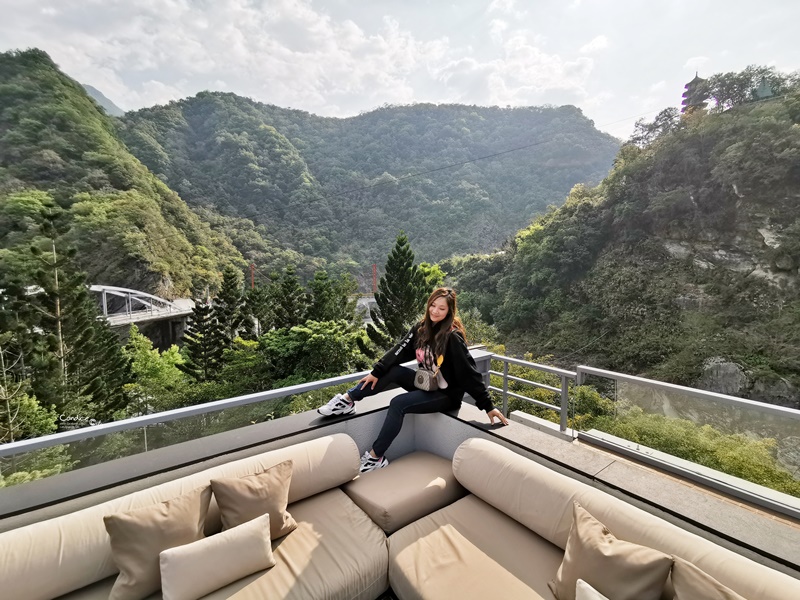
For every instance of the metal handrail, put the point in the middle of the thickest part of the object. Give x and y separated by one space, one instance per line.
543 386
774 409
566 376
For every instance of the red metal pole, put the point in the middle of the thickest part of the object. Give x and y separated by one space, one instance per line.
374 278
252 275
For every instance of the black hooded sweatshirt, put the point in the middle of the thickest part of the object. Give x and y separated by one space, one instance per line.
458 367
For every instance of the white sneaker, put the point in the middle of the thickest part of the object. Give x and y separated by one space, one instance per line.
337 406
368 463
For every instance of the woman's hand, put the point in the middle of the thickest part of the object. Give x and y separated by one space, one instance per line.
370 380
495 412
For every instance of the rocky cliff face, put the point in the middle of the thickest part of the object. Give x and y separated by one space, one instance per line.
726 377
758 247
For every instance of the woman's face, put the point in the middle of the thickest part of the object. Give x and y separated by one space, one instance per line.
438 310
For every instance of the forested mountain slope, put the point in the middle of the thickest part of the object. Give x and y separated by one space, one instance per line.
334 188
58 147
682 264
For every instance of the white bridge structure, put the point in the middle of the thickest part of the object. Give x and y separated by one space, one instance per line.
123 306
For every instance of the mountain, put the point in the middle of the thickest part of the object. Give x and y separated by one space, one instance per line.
341 189
681 265
106 104
58 150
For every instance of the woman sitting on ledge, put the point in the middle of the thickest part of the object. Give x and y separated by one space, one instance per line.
438 339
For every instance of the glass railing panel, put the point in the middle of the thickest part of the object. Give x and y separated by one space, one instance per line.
136 439
756 442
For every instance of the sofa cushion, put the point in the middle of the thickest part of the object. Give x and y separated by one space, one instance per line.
411 486
690 582
191 571
241 499
583 591
139 536
616 568
336 552
541 499
53 557
514 485
491 549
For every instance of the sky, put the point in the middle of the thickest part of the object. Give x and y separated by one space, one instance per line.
617 60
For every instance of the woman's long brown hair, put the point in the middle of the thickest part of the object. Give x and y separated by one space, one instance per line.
435 334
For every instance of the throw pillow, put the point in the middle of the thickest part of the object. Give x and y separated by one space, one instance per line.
194 570
241 499
618 569
690 583
140 535
583 591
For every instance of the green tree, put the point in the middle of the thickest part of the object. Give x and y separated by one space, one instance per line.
84 370
314 350
157 378
290 300
229 307
202 343
644 133
330 299
21 416
434 276
727 90
401 295
259 308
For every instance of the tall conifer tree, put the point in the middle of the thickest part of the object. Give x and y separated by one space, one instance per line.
291 301
84 369
203 343
259 308
229 307
401 295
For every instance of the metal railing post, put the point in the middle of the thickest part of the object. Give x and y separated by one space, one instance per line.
505 388
564 403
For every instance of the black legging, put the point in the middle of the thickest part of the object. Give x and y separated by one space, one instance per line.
414 401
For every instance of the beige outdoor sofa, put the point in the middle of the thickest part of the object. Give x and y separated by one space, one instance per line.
488 524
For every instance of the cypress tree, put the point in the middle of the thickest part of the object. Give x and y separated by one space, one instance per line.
401 295
291 301
259 308
203 343
229 307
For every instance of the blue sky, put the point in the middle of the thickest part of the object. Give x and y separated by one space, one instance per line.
617 60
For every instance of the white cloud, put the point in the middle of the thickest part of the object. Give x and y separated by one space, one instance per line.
284 52
598 43
497 28
520 77
505 6
508 7
598 99
696 63
660 85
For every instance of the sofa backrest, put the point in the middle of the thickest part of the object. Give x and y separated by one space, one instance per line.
542 499
53 557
